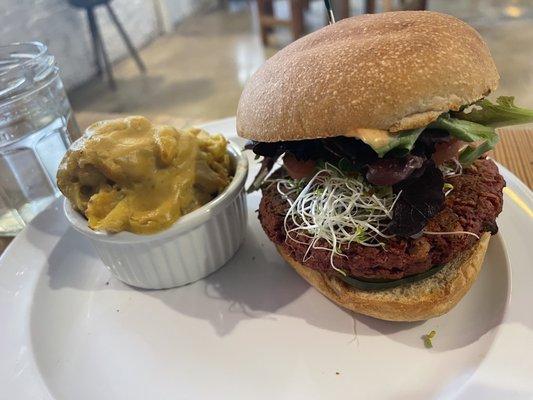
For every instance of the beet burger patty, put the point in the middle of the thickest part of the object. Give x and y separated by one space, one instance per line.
472 205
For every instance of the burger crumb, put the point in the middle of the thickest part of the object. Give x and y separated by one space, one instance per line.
337 373
427 338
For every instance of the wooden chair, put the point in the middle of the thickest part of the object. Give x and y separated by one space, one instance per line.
370 5
267 19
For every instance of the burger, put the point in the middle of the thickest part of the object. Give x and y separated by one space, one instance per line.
372 134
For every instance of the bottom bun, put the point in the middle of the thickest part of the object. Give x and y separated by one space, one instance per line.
428 298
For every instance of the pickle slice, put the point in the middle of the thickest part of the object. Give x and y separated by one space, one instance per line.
366 284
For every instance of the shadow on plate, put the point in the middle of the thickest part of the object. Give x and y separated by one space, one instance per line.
257 283
68 264
52 222
253 284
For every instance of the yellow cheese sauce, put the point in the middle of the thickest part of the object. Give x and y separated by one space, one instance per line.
375 138
130 175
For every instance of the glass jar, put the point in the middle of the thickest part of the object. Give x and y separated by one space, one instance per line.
36 127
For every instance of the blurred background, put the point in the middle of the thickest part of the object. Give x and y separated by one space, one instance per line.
194 56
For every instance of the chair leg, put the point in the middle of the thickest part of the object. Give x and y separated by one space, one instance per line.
126 38
344 9
265 8
94 40
419 5
107 63
269 7
297 14
370 6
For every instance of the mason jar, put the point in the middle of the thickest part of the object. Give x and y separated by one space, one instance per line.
36 128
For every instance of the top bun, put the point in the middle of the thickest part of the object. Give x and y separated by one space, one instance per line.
390 71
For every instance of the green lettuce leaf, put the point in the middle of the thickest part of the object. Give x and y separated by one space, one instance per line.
403 142
463 130
468 131
503 113
470 153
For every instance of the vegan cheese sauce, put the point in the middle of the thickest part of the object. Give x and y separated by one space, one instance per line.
129 175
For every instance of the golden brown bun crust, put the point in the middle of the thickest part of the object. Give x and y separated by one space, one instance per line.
417 301
394 71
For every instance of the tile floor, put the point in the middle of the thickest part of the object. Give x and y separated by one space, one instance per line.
199 70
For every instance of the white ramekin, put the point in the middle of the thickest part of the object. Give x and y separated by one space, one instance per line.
196 245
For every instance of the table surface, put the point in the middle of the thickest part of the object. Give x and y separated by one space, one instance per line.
515 150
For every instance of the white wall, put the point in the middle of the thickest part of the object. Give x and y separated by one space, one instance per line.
66 32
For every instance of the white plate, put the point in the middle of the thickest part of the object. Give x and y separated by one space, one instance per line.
254 329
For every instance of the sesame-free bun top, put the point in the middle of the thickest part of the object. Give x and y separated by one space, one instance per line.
390 71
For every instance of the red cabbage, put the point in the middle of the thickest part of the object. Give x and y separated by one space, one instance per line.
421 199
389 171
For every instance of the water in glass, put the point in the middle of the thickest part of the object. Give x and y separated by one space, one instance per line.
36 126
